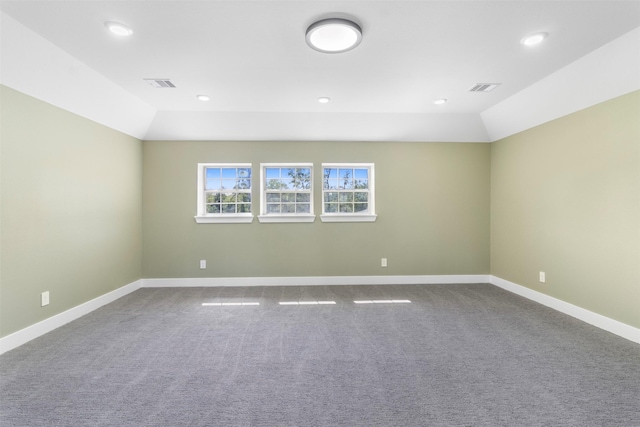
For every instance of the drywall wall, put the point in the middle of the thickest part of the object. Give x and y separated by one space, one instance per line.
432 201
565 199
70 213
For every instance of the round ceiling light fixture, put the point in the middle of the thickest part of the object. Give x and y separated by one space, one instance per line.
203 98
333 35
324 100
118 28
440 101
534 39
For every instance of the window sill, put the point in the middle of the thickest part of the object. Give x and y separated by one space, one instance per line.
348 218
224 219
286 218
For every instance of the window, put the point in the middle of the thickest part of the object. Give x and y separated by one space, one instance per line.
287 192
348 192
224 193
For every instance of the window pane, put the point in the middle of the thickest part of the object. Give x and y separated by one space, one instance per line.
303 208
361 197
330 173
331 197
228 184
288 197
244 183
273 208
303 197
303 179
213 208
346 208
286 184
213 184
331 184
244 172
213 198
244 208
330 178
212 173
346 179
359 207
212 178
273 197
346 197
229 173
330 207
361 184
273 184
273 173
288 208
244 197
361 174
228 208
228 198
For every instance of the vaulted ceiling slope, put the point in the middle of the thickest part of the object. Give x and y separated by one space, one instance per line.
263 81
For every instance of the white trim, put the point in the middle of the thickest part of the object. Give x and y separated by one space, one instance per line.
29 333
615 327
313 281
286 218
225 219
347 218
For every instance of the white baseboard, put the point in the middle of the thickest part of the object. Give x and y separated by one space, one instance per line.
621 329
313 281
34 331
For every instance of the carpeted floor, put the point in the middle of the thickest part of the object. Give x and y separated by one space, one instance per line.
457 355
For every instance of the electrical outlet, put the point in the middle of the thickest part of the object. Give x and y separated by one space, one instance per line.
203 264
543 277
44 299
383 262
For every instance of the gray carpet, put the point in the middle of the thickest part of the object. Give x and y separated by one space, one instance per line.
458 355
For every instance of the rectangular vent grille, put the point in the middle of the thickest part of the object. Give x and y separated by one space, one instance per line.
160 83
484 87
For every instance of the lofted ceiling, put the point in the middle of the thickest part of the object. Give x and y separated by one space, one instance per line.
264 82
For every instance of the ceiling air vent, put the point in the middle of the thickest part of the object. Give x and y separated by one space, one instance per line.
160 83
484 87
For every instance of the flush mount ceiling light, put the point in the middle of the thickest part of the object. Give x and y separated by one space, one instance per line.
203 98
334 35
440 101
534 39
324 100
118 28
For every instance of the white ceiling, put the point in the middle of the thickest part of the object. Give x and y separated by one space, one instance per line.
250 57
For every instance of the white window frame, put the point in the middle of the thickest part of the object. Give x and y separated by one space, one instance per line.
365 216
202 217
284 217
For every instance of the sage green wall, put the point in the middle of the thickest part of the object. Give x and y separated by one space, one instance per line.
71 210
565 199
432 201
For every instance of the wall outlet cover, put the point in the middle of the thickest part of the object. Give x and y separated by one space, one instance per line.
44 298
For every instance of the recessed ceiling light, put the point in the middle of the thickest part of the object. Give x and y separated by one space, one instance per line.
333 35
203 98
440 101
324 100
534 39
118 28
